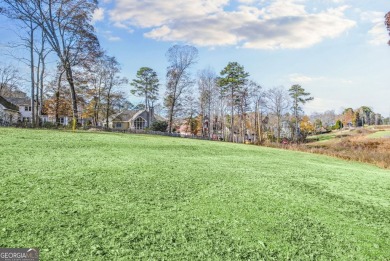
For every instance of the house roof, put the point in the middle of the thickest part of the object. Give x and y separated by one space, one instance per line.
7 104
126 115
19 101
129 115
158 117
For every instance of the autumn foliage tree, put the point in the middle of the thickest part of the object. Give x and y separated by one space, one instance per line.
306 127
348 117
68 30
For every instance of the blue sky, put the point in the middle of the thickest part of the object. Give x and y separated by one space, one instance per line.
336 49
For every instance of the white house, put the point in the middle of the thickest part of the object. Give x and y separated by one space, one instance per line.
24 106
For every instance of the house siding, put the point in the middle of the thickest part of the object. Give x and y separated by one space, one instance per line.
8 116
124 125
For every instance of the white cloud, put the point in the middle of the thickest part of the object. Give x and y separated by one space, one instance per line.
110 37
338 1
296 78
321 105
246 1
98 15
378 33
279 24
113 38
372 16
346 81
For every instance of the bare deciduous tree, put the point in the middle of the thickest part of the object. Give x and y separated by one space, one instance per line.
9 79
277 101
258 95
111 80
67 28
180 59
207 95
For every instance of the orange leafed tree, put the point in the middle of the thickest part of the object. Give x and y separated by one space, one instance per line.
57 106
348 117
306 126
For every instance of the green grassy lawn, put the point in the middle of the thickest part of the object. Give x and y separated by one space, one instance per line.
380 134
330 136
106 196
321 137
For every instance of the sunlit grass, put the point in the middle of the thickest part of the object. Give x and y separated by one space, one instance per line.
104 196
380 134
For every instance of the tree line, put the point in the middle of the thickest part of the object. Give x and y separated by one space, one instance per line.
63 29
85 84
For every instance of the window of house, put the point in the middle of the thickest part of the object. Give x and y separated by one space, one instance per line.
62 120
139 123
27 108
118 125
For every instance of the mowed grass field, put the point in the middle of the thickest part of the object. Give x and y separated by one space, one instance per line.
380 134
106 196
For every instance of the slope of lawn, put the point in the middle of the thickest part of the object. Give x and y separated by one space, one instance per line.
105 196
380 134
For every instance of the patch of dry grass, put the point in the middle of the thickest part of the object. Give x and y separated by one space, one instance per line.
356 147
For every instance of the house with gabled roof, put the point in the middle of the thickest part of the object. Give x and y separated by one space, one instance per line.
9 112
24 107
133 119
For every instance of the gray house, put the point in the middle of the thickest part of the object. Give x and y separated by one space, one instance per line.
133 119
9 112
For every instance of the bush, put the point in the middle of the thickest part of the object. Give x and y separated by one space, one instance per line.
159 126
338 125
49 125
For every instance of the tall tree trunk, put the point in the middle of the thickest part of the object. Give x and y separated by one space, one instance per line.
41 88
232 117
108 108
38 79
95 111
69 77
209 116
32 74
170 119
279 129
58 98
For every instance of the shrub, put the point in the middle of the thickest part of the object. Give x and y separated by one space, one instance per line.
159 126
338 125
49 125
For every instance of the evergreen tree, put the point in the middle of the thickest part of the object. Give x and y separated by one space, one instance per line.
299 97
233 78
146 85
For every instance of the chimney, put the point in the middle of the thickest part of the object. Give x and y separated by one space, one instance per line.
151 115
